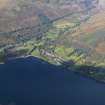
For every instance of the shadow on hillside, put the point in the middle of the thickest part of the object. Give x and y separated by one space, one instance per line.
32 81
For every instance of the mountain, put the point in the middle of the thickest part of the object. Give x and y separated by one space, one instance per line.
62 32
12 11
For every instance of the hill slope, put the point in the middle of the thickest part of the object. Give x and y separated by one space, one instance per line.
61 32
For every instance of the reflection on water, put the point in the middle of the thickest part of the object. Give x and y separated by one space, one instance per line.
31 82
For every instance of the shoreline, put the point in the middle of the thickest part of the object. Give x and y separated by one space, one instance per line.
14 58
76 72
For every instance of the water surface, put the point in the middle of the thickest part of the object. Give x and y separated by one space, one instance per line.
32 81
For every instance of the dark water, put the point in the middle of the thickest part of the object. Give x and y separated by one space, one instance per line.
34 82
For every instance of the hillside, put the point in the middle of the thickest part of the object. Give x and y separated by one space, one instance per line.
60 32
